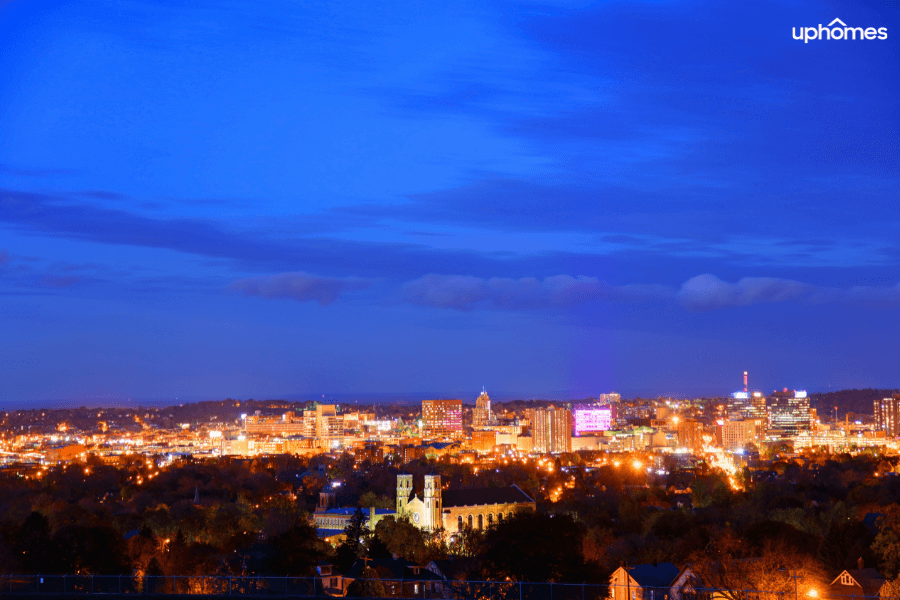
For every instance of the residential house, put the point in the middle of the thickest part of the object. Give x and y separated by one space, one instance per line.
861 581
643 582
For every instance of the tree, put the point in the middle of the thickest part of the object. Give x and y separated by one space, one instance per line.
467 542
354 545
368 585
372 500
402 538
730 565
80 550
32 543
532 546
295 552
887 543
845 542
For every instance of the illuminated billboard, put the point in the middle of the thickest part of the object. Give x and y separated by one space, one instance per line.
592 418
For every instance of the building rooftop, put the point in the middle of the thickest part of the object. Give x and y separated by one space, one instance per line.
481 496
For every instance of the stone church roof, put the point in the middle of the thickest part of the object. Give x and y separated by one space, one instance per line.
483 496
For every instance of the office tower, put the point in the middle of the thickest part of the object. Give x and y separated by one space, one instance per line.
788 413
737 434
482 414
690 434
329 426
887 411
442 418
552 430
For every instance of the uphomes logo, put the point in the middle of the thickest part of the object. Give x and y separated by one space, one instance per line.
838 30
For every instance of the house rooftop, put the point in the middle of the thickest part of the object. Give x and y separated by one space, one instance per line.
654 575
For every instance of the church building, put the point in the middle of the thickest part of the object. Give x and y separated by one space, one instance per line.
453 510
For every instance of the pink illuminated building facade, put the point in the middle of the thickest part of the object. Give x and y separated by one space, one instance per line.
593 418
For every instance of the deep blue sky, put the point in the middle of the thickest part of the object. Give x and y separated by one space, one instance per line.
254 199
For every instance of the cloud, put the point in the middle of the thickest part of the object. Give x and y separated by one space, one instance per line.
708 292
24 172
465 292
53 281
700 293
298 286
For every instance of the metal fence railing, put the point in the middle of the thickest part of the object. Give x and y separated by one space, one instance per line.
429 587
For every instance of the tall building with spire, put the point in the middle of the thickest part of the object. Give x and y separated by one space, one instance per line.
482 414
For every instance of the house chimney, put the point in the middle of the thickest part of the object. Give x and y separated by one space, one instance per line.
859 562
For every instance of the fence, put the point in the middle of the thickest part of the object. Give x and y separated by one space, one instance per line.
427 588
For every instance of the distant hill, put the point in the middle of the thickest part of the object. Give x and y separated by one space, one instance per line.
853 401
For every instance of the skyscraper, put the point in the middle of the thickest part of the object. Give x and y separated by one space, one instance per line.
887 411
551 430
788 413
482 414
442 418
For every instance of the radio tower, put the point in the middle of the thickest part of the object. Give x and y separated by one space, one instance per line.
745 381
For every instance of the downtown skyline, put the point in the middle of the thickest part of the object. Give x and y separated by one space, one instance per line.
550 199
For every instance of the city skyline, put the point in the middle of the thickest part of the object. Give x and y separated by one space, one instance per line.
558 199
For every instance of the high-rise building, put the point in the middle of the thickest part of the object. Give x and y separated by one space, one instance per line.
551 430
442 418
482 414
887 413
747 405
329 426
788 413
737 434
690 434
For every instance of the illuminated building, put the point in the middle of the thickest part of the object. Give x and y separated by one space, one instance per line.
286 424
484 441
442 418
737 434
323 423
329 426
552 430
747 405
690 434
593 418
887 411
482 414
454 510
788 414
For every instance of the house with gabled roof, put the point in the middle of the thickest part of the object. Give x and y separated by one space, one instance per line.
862 581
643 582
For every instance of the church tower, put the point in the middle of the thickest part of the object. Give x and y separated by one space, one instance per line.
432 497
404 489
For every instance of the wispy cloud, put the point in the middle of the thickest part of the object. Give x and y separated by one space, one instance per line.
700 293
466 292
299 286
708 292
54 281
26 172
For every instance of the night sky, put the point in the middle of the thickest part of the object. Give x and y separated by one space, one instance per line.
264 199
